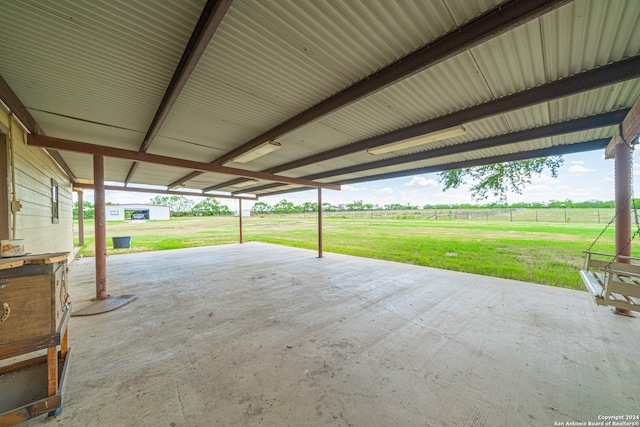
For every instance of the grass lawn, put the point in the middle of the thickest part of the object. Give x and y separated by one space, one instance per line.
546 253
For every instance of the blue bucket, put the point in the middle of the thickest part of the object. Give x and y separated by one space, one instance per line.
123 242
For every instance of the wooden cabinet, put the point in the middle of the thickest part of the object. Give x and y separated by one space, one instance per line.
34 311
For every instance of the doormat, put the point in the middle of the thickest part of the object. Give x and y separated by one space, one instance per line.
104 305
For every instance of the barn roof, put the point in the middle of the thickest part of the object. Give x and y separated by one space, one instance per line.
320 83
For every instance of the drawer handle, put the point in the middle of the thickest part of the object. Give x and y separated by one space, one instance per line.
7 312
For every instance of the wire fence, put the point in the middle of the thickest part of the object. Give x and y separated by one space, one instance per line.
573 215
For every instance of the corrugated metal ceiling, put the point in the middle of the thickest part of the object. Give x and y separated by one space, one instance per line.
96 72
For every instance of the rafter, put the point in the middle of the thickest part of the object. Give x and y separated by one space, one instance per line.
491 24
596 144
79 186
17 108
208 23
93 149
630 128
592 79
554 129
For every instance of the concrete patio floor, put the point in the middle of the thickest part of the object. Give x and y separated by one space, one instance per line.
258 334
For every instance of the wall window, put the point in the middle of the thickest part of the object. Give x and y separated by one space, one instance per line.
54 202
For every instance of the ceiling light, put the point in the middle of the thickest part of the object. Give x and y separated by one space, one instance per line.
438 135
259 151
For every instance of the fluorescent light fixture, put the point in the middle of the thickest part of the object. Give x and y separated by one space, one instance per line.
247 183
259 151
438 135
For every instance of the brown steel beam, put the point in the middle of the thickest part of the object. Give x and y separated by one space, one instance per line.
487 26
11 100
93 149
174 193
554 129
319 223
579 147
628 130
80 218
100 227
623 200
63 165
523 155
17 108
208 23
623 208
240 218
188 177
223 185
587 80
592 79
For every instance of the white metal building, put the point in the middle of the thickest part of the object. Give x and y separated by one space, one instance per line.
122 212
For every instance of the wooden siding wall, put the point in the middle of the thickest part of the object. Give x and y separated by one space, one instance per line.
4 186
34 170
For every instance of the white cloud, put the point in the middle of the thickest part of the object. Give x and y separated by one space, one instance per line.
580 170
386 190
544 179
419 181
348 187
577 162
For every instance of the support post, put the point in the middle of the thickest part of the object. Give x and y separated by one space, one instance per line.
623 200
100 227
80 218
240 217
52 371
319 222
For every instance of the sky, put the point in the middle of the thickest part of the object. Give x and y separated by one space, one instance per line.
582 177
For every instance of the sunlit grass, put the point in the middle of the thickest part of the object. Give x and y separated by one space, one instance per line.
547 253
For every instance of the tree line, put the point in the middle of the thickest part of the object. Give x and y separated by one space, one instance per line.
178 205
183 206
285 206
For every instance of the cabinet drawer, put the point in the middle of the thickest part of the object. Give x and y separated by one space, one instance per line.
29 300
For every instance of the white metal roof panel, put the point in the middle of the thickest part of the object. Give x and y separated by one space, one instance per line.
357 38
151 174
96 72
105 62
585 33
444 88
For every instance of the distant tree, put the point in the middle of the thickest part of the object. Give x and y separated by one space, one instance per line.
179 205
394 207
210 206
500 178
328 207
160 200
356 205
283 206
261 207
88 210
310 207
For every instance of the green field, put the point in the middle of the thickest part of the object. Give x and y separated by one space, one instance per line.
541 252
